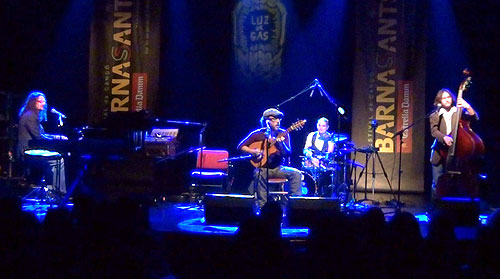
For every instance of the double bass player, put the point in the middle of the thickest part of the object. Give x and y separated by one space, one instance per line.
442 125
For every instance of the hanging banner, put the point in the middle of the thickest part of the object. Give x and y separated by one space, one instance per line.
124 57
389 88
259 35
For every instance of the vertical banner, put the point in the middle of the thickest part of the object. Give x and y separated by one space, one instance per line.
389 88
124 57
405 116
259 35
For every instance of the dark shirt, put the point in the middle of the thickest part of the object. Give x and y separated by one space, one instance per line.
29 128
438 131
276 159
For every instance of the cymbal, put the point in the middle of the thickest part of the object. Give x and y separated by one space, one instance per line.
345 150
355 164
339 137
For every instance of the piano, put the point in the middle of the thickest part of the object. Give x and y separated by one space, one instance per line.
131 151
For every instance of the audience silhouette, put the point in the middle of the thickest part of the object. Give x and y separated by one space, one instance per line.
113 239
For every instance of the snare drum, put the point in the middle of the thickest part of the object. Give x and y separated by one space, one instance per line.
315 163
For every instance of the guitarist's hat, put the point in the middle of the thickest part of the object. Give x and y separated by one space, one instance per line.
272 112
268 113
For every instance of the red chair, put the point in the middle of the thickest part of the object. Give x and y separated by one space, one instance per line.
211 172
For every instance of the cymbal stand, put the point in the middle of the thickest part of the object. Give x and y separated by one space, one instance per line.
353 173
371 152
341 190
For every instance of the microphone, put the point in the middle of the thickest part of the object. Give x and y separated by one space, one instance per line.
313 86
54 111
320 87
312 91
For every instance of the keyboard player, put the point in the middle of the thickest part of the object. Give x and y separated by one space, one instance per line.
31 115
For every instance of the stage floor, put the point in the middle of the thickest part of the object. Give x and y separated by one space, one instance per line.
176 214
182 217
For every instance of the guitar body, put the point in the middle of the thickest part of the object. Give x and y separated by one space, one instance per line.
266 151
268 148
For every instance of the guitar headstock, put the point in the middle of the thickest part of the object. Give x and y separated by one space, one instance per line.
297 125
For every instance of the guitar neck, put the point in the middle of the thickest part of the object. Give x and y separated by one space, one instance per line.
282 134
457 117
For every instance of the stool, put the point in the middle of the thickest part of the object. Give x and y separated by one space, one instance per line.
41 158
277 189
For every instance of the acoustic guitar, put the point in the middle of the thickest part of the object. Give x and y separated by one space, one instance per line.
267 147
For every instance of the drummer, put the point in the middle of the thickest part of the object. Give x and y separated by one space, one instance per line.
319 143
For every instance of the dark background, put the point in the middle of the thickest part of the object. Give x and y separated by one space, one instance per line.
45 46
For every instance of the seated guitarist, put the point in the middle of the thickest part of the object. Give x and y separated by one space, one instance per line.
273 166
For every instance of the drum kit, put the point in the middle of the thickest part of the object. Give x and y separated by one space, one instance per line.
329 174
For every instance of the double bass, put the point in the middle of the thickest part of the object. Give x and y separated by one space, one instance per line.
462 158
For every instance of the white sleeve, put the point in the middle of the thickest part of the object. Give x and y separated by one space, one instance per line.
309 140
331 146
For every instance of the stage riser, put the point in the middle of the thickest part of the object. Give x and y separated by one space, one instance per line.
234 209
463 212
228 209
306 212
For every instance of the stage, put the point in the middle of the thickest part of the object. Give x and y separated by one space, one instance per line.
180 243
182 215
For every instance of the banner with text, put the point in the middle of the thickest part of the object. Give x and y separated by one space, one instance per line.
389 92
124 57
258 38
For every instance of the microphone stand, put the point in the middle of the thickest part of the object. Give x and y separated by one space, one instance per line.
200 144
192 195
311 85
331 100
315 83
399 133
60 122
60 125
